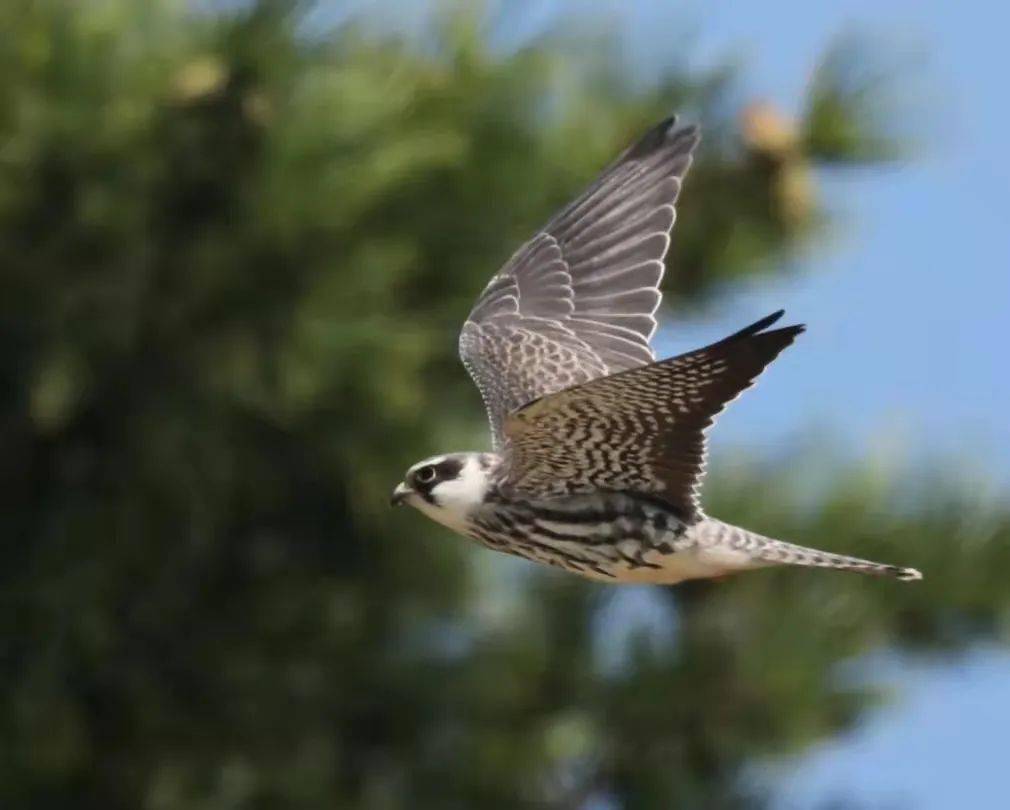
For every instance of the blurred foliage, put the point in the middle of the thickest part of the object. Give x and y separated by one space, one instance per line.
233 258
846 118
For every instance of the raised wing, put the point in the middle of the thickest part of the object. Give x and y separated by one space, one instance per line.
640 431
578 300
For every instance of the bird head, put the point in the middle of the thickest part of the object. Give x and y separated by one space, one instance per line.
446 488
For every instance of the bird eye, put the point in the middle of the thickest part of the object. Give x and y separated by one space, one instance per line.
425 475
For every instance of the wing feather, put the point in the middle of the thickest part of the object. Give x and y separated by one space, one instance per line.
577 301
592 257
640 431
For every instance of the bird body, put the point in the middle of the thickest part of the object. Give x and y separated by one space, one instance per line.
607 536
599 450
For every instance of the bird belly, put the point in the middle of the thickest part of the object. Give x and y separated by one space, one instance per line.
694 558
614 538
670 569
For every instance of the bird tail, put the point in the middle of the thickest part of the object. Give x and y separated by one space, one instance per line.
766 551
780 552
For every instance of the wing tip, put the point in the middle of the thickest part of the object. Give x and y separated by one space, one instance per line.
685 137
761 325
669 127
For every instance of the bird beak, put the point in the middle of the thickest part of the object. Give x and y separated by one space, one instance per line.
400 494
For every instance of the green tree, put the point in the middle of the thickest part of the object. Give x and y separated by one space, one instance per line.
233 259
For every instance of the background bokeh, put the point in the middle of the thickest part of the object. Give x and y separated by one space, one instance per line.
236 243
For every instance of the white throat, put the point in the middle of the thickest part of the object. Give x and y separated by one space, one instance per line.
455 500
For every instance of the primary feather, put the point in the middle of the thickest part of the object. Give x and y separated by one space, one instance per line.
578 300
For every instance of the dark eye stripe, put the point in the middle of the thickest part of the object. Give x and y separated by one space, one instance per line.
449 469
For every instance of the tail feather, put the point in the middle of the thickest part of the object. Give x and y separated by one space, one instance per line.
778 551
761 551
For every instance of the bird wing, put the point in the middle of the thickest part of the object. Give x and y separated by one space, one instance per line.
577 301
640 431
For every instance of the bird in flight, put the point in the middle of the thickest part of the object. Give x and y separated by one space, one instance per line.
598 449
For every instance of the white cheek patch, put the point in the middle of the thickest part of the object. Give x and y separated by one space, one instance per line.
455 499
465 491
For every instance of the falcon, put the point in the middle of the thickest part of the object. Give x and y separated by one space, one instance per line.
598 449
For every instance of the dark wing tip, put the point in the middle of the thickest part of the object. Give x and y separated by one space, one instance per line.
664 134
788 333
759 326
764 323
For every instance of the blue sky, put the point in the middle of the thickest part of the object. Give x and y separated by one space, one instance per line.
942 746
908 307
